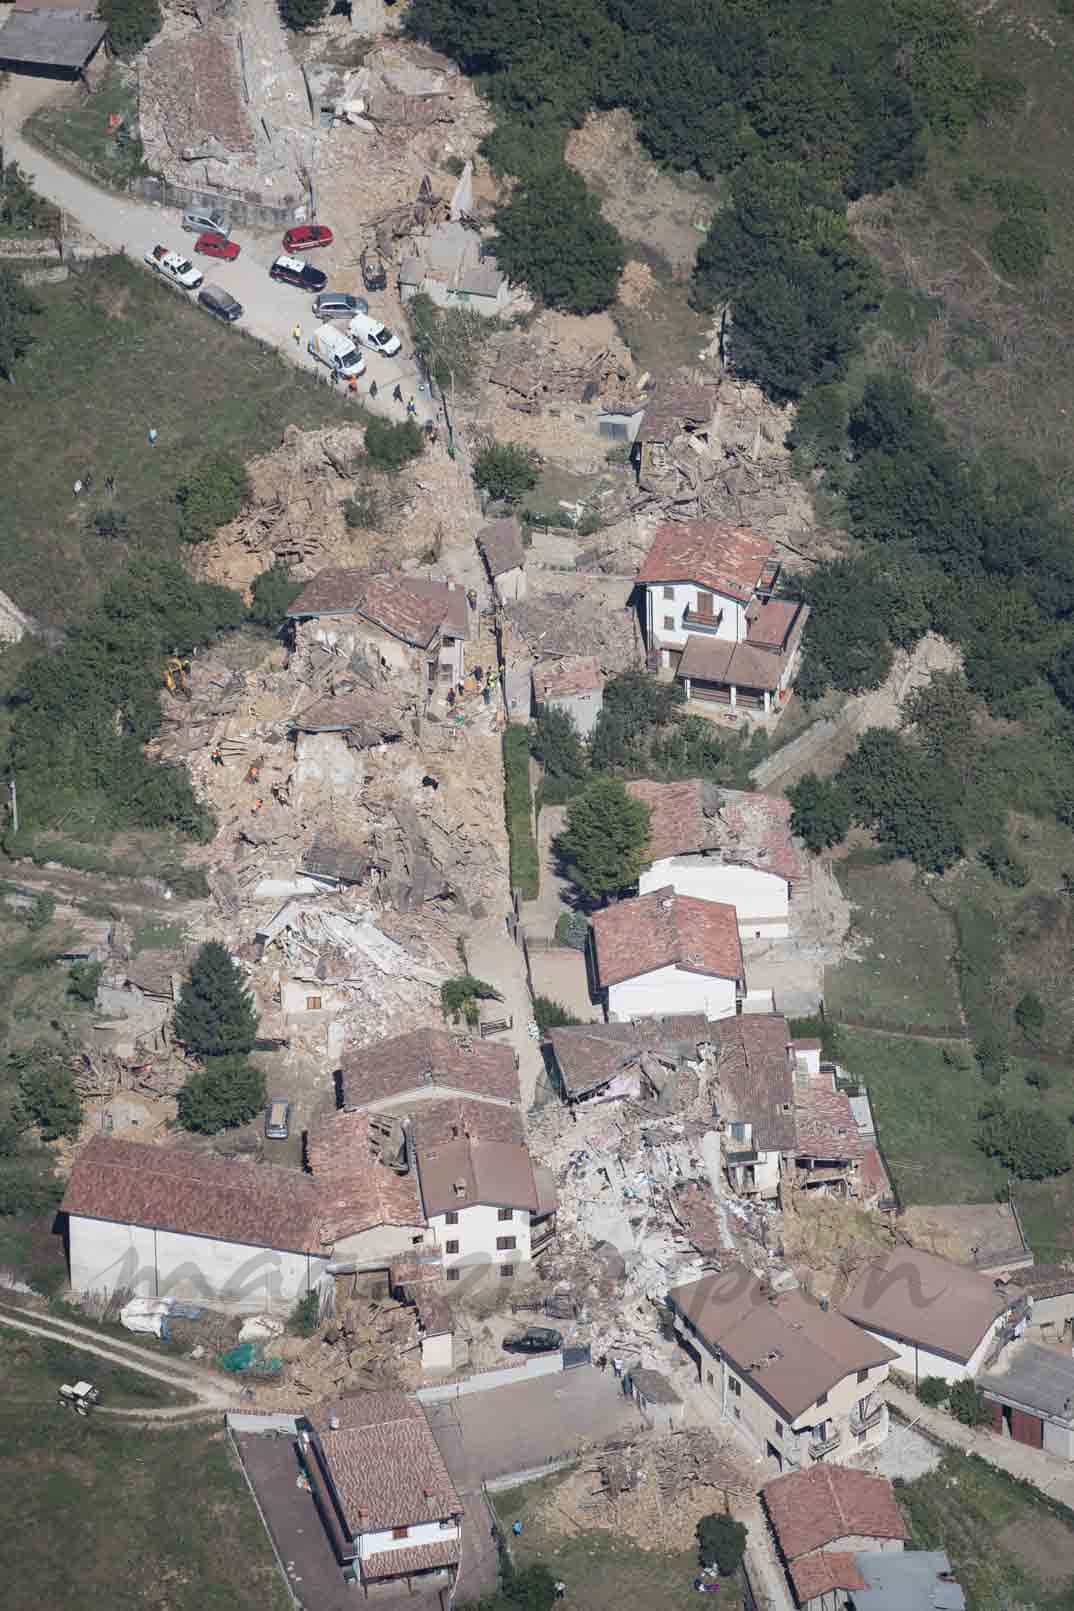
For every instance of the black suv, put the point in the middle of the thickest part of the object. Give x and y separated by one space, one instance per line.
293 271
535 1340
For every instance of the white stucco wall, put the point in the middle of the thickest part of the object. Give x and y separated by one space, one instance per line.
373 1248
583 709
296 993
761 900
684 597
670 990
164 1264
921 1362
510 585
437 1352
765 1170
477 1232
417 1533
1059 1440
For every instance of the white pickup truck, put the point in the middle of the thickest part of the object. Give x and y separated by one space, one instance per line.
175 267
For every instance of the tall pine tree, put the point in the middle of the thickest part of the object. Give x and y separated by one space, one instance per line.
215 1016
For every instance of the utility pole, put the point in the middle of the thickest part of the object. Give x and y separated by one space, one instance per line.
14 804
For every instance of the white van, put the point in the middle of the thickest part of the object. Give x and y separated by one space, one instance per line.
330 346
371 333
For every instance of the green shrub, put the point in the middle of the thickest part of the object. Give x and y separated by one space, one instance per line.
461 997
549 1014
83 979
361 511
572 929
301 14
1025 1140
1029 1015
305 1317
212 497
966 1403
1020 244
390 446
932 1390
721 1542
131 23
41 912
47 1096
518 800
552 237
226 1092
505 470
271 596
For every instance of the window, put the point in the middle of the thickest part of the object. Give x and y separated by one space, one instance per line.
779 1429
507 1272
313 1003
669 592
734 1387
739 1132
452 1275
451 1247
863 1376
712 1380
400 1532
669 623
505 1214
506 1244
451 1217
822 1398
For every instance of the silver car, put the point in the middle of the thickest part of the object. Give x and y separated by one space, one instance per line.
199 223
339 305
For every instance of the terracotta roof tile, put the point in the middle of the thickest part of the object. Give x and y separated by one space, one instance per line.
436 1124
368 715
663 929
919 1298
721 661
711 553
562 679
814 1575
407 607
167 1188
809 1509
739 826
826 1125
589 1055
415 1558
756 1079
358 1192
383 1462
769 622
501 543
429 1057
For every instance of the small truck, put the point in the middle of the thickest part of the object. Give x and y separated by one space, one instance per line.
79 1396
175 267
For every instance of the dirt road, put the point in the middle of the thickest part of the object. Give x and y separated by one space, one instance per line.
214 1396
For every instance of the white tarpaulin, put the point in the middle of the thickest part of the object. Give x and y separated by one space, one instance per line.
147 1314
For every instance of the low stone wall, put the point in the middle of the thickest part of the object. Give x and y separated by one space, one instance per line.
544 1365
238 209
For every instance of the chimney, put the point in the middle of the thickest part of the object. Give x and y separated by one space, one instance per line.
459 1187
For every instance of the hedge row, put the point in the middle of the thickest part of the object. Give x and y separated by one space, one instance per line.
518 804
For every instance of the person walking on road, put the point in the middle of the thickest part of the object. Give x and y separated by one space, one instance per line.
397 394
297 334
372 388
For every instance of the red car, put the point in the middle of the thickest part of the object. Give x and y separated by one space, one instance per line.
212 245
305 236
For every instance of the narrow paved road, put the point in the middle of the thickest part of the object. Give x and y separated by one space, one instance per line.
271 309
213 1395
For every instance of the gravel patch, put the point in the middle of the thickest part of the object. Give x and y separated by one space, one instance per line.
904 1453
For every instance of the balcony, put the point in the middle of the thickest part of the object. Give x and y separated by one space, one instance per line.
819 1447
695 621
863 1423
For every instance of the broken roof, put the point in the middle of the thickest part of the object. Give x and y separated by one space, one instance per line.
756 1078
366 716
167 1189
406 607
357 1191
563 679
391 1069
728 559
675 406
825 1124
437 1123
915 1297
663 930
51 38
589 1055
501 543
461 1174
790 1350
383 1462
741 826
325 858
809 1509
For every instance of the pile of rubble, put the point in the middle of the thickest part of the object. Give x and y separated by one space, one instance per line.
372 1345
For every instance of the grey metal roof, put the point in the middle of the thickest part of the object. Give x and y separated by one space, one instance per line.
1037 1379
910 1580
50 38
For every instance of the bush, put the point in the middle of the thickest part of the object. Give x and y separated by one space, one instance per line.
932 1390
572 929
721 1542
82 981
993 1057
1019 245
1025 1140
112 523
41 912
552 237
226 1092
271 596
131 23
460 998
966 1403
554 741
212 497
549 1014
820 811
390 446
47 1096
215 1016
505 470
301 14
518 804
1039 1080
1029 1016
305 1317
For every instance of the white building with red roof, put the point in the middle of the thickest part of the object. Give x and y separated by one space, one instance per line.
710 615
665 953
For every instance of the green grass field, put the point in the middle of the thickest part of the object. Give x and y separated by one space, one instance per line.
78 124
99 1511
902 975
117 353
602 1571
1007 1546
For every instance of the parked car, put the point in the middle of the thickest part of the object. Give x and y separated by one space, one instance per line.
215 300
330 346
213 244
278 1120
371 333
534 1340
293 271
374 274
339 305
199 223
304 237
174 267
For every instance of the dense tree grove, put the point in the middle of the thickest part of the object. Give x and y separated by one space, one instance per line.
550 234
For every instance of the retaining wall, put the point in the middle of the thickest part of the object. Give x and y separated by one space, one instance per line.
544 1365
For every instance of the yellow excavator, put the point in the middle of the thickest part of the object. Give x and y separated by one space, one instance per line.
177 676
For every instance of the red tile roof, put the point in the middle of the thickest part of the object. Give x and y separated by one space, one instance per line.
809 1509
589 1055
168 1189
407 607
415 1558
769 623
435 1124
814 1575
424 1057
710 553
663 929
489 1172
719 660
562 679
501 543
739 826
826 1125
358 1192
384 1464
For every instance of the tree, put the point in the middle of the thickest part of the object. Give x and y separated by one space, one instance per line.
271 596
1061 674
549 1014
131 23
226 1092
1029 1016
301 14
215 1016
82 981
910 803
1025 1140
604 840
551 236
47 1096
460 998
18 309
505 470
390 446
1019 245
212 497
933 1391
21 208
447 340
721 1542
966 1403
41 912
634 705
555 742
532 1588
820 811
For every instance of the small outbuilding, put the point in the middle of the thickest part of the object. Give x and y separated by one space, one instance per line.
1032 1399
504 554
574 685
54 43
655 1397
